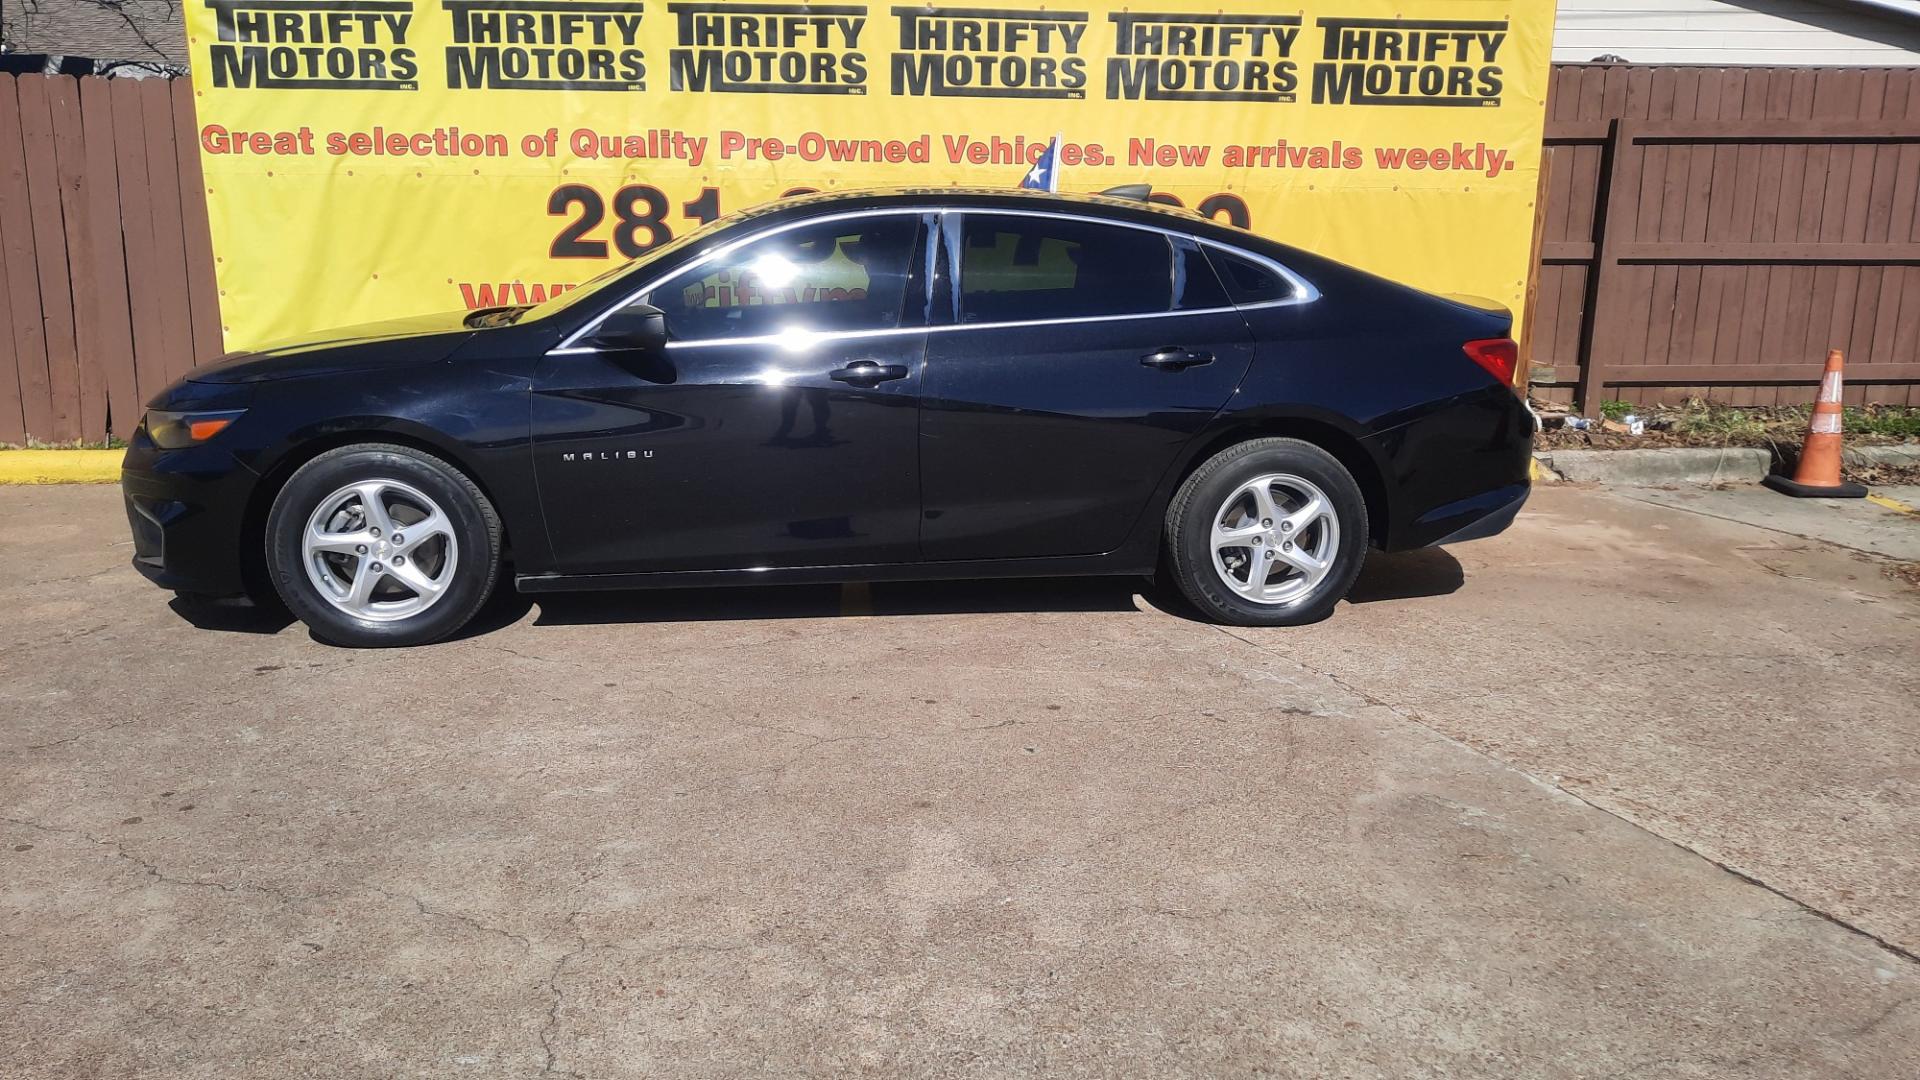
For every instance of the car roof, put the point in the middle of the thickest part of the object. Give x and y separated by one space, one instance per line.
1178 219
975 194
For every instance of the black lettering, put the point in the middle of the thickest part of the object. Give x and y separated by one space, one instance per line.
312 67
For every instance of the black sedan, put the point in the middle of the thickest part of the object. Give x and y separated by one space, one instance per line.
885 385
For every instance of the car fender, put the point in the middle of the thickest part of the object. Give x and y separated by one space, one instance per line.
487 442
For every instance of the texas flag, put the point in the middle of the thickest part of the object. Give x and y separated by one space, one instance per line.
1045 174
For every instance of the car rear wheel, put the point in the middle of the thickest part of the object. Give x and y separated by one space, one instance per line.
1269 532
382 545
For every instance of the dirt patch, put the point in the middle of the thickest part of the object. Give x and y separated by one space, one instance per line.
1776 429
1884 475
1907 572
1555 436
1702 423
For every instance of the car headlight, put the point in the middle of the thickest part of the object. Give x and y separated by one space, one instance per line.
175 430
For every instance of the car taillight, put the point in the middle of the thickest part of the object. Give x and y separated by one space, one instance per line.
1500 356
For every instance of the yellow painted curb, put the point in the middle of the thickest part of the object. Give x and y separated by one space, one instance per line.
60 466
1892 504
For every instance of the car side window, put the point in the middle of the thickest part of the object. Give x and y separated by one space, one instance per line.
1195 286
1249 281
1020 269
837 276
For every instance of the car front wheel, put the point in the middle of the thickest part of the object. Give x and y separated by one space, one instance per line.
382 545
1269 532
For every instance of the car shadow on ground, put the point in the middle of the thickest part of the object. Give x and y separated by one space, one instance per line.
826 601
1400 576
1407 575
232 616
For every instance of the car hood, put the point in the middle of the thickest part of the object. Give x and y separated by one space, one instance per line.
414 340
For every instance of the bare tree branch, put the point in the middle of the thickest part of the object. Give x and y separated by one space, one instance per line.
42 26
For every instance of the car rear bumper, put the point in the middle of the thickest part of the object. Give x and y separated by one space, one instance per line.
1459 473
1483 515
185 509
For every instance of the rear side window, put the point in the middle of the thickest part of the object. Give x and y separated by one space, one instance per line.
1021 269
1250 282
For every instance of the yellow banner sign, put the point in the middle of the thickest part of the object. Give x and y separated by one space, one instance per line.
374 158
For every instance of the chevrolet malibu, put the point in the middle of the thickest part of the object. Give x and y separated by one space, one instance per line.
852 387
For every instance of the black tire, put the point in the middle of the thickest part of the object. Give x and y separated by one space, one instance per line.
474 526
1189 531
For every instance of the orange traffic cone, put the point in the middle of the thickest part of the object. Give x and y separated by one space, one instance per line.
1818 474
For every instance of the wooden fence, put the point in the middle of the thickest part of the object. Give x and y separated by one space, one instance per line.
106 270
1711 232
1707 232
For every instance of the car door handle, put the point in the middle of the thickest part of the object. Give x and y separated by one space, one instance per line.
868 373
1174 358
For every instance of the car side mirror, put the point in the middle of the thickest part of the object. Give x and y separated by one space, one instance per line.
640 328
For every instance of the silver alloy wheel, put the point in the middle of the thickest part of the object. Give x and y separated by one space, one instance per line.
1274 539
380 550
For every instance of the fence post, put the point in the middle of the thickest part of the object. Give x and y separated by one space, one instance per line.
1616 215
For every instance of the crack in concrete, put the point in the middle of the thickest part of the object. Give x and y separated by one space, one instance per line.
510 651
556 997
556 993
1637 1066
550 1066
1885 1014
1774 529
78 735
90 732
555 975
1215 715
153 870
1675 656
519 939
1169 913
230 697
1414 718
814 742
792 759
1797 655
83 576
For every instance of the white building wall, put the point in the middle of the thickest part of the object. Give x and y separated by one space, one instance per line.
1791 32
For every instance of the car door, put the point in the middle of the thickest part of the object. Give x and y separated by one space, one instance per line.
1080 356
777 427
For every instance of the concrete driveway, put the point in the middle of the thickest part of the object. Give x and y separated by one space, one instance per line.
1629 791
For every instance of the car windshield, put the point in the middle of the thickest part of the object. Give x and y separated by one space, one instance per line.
610 276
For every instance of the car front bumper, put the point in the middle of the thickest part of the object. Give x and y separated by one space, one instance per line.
186 509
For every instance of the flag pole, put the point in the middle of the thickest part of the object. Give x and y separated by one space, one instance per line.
1053 178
